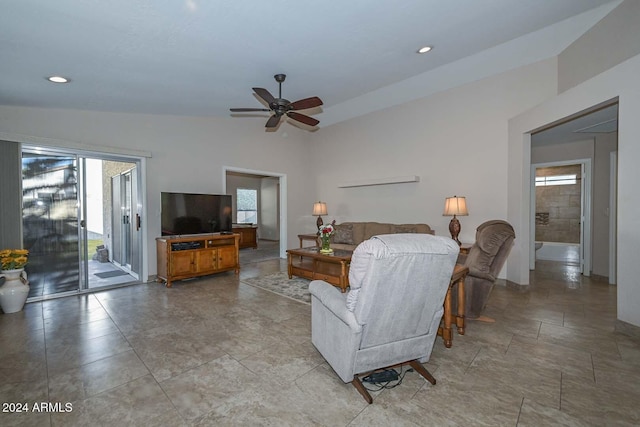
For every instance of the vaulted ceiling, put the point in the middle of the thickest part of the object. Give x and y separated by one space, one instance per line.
198 58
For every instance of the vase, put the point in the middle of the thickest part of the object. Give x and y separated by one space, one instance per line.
14 291
326 245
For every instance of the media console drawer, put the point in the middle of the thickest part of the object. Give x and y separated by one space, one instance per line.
184 257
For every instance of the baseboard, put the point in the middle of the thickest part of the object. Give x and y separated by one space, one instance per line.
599 278
627 329
513 285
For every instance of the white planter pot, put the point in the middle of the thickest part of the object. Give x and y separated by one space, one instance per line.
14 291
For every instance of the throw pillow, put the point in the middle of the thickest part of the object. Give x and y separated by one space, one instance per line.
344 234
406 229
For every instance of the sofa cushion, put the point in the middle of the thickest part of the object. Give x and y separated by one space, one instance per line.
361 231
344 234
377 229
358 231
405 228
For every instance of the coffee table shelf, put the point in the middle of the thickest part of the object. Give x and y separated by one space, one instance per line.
311 264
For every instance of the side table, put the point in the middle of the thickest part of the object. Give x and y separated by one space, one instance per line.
457 278
313 237
465 248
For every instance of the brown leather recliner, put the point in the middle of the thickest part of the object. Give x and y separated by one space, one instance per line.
486 258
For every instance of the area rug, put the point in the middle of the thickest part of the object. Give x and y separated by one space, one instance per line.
279 283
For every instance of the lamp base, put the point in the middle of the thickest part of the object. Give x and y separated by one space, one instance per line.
319 223
454 229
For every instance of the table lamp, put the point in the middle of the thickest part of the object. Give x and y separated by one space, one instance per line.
455 206
319 209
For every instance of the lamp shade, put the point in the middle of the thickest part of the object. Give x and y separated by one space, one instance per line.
319 208
455 206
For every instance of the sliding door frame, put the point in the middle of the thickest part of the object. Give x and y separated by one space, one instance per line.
131 156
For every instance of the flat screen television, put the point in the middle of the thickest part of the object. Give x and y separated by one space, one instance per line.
187 213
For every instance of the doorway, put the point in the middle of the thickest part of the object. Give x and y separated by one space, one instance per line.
588 139
272 202
561 205
66 222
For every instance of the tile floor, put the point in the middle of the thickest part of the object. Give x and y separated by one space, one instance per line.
215 352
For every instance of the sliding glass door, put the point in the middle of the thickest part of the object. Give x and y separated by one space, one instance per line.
50 221
126 221
81 221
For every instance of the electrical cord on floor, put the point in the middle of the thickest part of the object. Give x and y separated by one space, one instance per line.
388 384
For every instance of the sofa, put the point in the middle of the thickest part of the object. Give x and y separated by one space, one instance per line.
348 235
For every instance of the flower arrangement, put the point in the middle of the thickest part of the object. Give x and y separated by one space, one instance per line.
13 259
325 232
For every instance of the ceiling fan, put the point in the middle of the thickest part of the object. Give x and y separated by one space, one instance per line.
281 106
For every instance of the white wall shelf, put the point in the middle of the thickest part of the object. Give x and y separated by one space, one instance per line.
380 181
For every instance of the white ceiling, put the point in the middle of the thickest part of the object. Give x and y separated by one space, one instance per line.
586 126
199 58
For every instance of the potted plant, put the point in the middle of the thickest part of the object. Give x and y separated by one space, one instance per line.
14 291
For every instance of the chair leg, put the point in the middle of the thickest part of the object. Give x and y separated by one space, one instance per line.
363 391
422 371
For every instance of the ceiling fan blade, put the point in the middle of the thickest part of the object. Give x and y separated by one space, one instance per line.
247 110
264 94
302 118
303 104
273 121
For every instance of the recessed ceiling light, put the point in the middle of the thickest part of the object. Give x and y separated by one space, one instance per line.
58 79
424 49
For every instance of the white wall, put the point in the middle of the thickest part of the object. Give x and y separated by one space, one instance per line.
187 153
455 140
608 43
269 190
561 152
620 81
604 145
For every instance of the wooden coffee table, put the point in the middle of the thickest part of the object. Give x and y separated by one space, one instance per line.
311 264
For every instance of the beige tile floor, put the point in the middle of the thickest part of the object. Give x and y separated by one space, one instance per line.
218 352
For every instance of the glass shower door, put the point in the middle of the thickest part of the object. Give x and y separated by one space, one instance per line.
50 221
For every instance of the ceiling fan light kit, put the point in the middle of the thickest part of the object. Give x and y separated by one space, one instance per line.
283 107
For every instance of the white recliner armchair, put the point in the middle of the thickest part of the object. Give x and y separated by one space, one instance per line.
392 312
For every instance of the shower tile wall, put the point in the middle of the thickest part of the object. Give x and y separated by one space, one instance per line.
558 207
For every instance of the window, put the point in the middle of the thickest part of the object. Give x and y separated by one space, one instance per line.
247 206
545 181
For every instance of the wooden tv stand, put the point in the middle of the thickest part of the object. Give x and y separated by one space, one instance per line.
248 235
187 256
